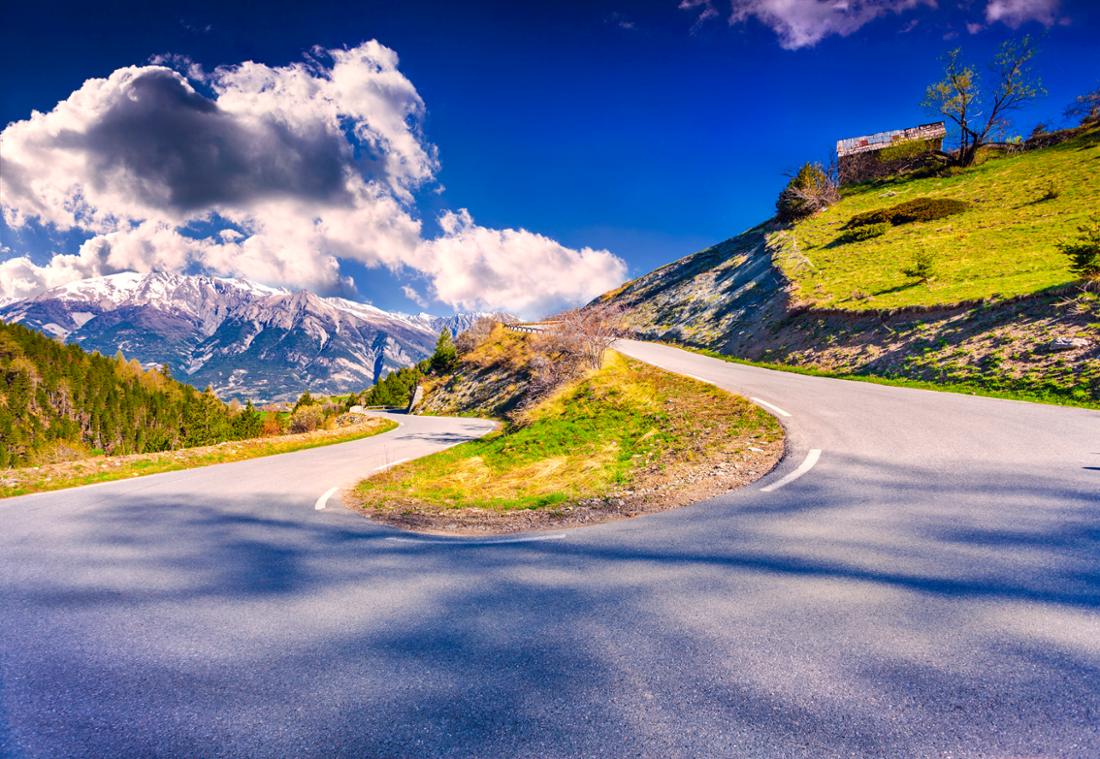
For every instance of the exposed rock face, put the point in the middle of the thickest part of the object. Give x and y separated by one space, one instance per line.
244 339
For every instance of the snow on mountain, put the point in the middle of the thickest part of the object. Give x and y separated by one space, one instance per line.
244 339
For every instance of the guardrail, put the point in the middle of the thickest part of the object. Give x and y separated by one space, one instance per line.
530 327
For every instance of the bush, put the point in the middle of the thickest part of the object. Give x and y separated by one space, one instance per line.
865 232
917 209
1084 251
272 425
307 419
921 269
478 333
809 191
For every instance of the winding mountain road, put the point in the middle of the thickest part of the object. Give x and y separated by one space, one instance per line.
920 577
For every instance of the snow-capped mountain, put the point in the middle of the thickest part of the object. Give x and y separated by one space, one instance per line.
245 340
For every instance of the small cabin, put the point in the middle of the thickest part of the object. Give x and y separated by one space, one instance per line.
885 153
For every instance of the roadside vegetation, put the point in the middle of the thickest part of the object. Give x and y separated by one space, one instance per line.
87 471
1055 395
588 435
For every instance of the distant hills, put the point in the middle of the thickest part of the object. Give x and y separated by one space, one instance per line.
243 339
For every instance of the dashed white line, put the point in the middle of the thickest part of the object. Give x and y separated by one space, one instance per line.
323 500
772 406
500 541
805 466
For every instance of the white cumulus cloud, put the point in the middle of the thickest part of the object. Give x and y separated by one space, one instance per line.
1018 12
294 169
804 23
475 267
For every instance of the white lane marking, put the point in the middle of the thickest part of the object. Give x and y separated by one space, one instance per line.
323 500
772 406
805 466
499 541
387 466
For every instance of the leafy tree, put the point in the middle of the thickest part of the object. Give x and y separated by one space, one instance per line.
958 95
395 389
305 399
446 354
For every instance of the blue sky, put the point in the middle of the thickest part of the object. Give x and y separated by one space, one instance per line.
645 130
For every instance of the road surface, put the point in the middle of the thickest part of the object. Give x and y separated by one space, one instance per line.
920 577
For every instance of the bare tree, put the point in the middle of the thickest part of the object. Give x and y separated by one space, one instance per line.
585 333
573 343
1086 108
958 97
477 333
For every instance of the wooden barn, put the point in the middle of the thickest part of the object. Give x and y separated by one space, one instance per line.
884 153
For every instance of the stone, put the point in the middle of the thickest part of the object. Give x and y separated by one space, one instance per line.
1065 344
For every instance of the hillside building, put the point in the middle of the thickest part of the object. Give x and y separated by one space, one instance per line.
884 153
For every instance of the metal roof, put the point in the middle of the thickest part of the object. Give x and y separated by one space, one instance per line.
881 140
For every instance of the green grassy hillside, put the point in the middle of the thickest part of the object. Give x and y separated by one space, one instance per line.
1003 245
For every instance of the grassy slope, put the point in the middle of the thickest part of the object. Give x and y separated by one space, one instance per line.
616 428
105 468
1005 245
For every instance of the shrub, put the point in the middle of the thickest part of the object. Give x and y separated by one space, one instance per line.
865 232
917 209
809 191
1050 192
306 418
1084 251
478 333
272 425
921 269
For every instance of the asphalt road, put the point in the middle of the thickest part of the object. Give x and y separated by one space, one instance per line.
930 586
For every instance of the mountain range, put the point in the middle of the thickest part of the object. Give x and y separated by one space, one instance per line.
243 339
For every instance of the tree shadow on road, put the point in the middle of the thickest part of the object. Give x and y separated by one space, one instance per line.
897 614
